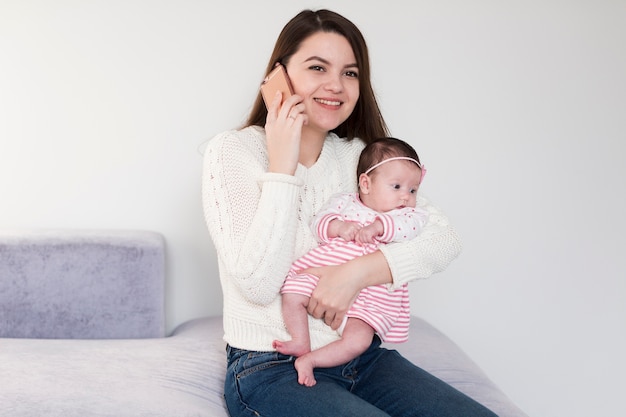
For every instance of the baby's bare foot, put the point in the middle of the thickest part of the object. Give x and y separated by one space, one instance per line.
304 366
291 347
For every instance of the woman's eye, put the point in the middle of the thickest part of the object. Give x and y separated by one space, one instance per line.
352 74
316 68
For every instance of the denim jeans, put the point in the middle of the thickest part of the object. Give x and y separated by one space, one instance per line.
378 383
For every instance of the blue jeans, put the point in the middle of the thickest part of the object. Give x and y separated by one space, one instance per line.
378 383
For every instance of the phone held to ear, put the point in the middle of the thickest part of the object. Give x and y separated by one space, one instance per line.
276 80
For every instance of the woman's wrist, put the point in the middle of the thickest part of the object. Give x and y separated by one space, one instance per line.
371 269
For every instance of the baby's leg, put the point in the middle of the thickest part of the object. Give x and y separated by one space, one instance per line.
357 337
296 319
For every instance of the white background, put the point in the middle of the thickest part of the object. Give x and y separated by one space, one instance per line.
518 108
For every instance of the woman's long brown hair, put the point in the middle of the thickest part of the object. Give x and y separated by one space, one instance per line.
366 121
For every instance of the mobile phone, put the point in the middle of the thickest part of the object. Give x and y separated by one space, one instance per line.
276 80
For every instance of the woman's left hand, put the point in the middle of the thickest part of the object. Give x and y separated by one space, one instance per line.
334 294
339 286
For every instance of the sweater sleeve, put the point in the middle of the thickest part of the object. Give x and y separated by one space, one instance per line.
428 253
249 213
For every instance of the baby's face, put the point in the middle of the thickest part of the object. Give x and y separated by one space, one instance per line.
393 185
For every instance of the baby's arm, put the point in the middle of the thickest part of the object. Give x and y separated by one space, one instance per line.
329 222
401 225
346 230
395 226
370 233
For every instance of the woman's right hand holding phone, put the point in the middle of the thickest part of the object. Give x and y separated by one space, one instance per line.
283 129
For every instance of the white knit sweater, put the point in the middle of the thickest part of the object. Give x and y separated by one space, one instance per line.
259 223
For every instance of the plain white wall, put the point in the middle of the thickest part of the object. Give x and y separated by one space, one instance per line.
518 108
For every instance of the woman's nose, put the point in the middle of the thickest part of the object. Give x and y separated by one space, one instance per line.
334 84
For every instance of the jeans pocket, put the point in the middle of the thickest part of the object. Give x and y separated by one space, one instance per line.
255 362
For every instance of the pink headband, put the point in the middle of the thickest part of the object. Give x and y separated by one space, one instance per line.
396 158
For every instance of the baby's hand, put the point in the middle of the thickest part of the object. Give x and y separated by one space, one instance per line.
346 230
369 233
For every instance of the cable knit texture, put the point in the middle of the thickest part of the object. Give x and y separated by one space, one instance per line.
259 223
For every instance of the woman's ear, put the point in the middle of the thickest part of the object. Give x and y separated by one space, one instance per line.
364 183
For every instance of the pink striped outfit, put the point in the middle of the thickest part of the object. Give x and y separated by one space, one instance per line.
387 312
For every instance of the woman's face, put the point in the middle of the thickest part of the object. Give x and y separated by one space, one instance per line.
325 74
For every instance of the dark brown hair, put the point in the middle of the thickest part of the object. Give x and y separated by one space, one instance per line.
366 121
381 149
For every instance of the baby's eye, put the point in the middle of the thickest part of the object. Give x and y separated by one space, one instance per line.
413 190
396 186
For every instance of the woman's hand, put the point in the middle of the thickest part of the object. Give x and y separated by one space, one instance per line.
339 286
334 294
283 129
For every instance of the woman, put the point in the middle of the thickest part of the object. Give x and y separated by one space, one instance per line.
261 186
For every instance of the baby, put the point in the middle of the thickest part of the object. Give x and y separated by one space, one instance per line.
350 225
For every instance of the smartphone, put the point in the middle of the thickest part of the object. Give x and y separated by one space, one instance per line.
276 80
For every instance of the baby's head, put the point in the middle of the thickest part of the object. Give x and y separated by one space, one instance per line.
389 173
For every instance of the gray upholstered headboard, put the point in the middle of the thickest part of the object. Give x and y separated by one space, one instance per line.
81 284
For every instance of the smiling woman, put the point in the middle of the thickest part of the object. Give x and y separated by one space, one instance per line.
325 76
262 185
325 95
293 37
